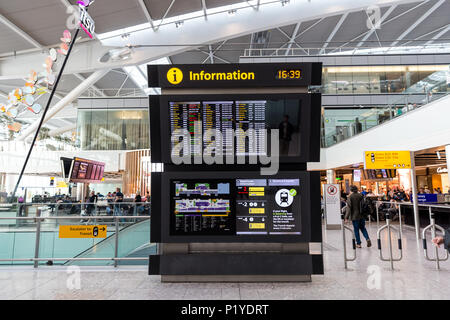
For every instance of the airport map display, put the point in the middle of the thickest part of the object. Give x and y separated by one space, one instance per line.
235 207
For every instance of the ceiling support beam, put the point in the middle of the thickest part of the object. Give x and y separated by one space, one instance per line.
204 9
371 31
165 14
71 96
418 21
19 31
440 34
96 89
147 13
382 24
212 53
291 40
333 33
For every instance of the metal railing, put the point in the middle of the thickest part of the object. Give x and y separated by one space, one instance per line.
345 228
390 229
345 49
397 206
432 227
378 116
115 219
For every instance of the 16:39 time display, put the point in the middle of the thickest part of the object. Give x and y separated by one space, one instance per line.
288 74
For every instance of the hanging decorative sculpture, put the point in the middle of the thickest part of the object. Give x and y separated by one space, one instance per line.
36 85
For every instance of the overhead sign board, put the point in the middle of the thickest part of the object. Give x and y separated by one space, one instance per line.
82 231
235 75
86 21
387 160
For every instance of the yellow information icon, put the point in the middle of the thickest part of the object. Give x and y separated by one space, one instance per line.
174 76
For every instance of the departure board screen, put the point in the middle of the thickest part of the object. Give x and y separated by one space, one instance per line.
235 127
235 207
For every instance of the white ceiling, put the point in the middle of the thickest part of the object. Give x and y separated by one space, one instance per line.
29 25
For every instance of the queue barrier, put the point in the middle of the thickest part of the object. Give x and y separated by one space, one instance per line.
432 227
390 230
344 228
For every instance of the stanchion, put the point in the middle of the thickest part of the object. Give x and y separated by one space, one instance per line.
433 226
390 229
344 227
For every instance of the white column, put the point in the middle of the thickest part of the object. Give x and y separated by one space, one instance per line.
331 176
447 155
414 194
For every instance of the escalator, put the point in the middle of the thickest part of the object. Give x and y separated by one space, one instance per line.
134 242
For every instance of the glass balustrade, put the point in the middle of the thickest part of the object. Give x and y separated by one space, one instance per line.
20 224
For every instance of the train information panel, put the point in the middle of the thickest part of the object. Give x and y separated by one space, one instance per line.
235 207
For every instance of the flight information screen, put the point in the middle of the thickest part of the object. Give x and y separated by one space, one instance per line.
235 127
235 207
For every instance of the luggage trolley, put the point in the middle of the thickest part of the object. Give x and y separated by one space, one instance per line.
432 227
390 229
344 227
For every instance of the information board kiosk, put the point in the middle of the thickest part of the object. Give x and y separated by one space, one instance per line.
235 202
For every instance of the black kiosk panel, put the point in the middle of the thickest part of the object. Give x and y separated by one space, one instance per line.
235 206
239 125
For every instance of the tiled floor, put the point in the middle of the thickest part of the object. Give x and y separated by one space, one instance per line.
413 278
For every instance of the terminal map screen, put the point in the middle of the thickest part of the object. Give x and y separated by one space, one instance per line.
232 119
235 207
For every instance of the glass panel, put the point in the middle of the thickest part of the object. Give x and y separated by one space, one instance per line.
113 129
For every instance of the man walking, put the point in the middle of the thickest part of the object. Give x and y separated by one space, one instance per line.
354 213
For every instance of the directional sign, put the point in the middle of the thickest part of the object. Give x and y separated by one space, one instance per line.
387 160
83 231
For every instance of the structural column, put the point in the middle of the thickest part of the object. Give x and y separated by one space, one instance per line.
414 195
331 176
447 156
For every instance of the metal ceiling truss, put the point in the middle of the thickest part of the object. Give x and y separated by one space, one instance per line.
418 21
212 53
147 13
381 24
165 14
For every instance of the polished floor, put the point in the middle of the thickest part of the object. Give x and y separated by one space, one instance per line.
366 278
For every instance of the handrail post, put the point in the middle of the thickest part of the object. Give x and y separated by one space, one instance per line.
116 247
378 215
433 235
390 243
38 238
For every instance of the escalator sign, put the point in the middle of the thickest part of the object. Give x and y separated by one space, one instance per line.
82 231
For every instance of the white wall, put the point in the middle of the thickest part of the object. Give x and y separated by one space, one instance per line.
423 128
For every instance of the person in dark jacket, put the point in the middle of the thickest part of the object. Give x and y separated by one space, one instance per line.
443 240
354 213
286 131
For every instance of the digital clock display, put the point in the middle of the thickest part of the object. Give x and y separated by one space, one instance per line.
289 74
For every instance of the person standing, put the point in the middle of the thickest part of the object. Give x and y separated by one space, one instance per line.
118 199
286 131
354 206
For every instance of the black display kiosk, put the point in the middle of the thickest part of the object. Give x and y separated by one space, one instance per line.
234 201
